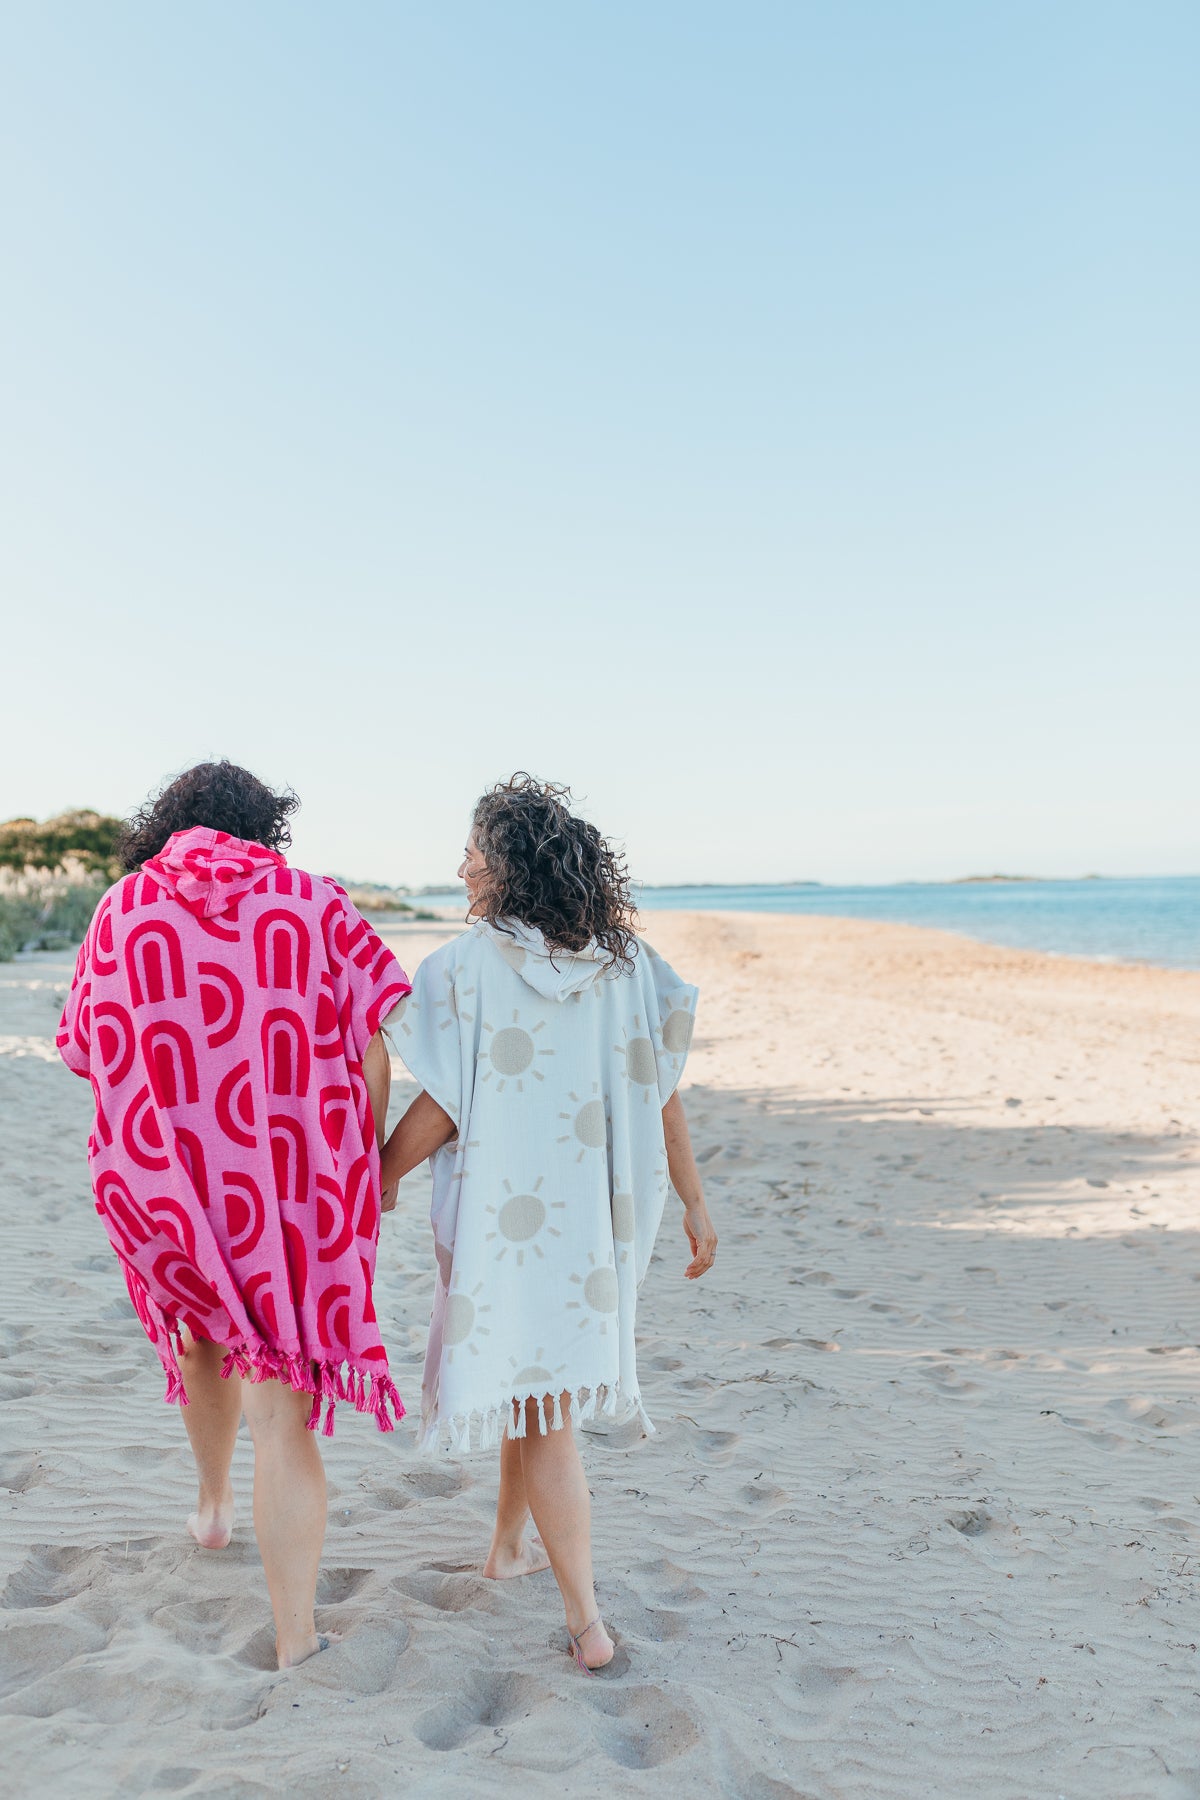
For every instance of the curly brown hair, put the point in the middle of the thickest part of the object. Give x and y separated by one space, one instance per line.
550 869
219 795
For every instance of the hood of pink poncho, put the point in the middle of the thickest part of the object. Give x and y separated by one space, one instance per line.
207 871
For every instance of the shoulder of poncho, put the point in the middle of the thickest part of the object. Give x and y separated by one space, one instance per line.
459 952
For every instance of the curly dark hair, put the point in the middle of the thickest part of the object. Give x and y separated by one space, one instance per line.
221 796
550 869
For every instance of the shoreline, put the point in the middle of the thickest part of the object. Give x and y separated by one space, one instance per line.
447 920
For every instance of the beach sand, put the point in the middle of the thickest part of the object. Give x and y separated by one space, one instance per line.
921 1517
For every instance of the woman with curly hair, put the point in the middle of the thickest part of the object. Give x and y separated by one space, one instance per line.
549 1042
226 1009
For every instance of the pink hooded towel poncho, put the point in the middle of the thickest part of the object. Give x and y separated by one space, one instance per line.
221 1008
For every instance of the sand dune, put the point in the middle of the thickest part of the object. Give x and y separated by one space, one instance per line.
921 1517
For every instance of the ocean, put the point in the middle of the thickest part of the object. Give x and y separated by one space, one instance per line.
1151 919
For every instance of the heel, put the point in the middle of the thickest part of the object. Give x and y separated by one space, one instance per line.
577 1638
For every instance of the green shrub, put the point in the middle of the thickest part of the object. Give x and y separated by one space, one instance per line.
88 839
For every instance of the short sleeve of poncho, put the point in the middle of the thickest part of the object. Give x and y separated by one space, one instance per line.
368 982
75 1027
671 1003
431 1040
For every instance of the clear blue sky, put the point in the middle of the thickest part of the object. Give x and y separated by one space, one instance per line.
779 420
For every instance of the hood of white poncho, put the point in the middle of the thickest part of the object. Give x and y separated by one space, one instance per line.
555 974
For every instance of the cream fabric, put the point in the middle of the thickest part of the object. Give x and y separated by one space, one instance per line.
545 1207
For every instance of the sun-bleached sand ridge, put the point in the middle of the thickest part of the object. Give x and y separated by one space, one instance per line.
922 1514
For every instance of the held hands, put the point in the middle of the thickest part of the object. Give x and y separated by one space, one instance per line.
698 1228
387 1200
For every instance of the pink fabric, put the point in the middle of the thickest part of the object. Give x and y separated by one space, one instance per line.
221 1007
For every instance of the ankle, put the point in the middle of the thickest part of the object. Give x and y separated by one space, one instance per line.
214 1500
581 1620
295 1648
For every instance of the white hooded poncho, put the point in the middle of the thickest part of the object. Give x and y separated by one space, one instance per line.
555 1070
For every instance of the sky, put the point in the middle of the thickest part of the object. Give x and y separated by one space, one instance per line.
779 421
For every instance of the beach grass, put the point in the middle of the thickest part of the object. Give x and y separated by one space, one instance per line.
46 909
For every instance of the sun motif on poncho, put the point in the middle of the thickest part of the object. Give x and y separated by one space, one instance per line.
522 1220
462 1323
452 1003
601 1295
510 1054
533 1379
588 1124
624 1221
641 1064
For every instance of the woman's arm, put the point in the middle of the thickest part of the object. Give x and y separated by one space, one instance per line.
685 1179
377 1073
424 1128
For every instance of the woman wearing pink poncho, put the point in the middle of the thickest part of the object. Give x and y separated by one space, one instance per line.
226 1009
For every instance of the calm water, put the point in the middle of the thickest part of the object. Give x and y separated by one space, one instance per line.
1150 919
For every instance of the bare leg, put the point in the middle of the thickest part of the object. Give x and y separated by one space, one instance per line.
512 1553
289 1511
558 1496
212 1416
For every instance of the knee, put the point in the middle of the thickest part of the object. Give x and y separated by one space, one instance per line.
198 1353
274 1412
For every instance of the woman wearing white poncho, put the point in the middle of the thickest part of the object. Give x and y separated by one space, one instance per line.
549 1044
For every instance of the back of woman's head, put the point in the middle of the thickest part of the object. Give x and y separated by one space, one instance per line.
219 795
549 869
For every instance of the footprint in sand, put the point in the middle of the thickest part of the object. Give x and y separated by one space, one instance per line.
974 1522
947 1379
19 1472
381 1497
171 1779
336 1585
33 1648
55 1572
764 1493
900 1313
487 1701
670 1584
212 1626
1088 1428
638 1727
462 1591
710 1446
434 1483
608 1436
1140 1410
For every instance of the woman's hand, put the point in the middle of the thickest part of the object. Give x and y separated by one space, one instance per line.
698 1228
685 1179
388 1198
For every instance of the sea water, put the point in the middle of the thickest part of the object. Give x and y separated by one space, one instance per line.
1154 919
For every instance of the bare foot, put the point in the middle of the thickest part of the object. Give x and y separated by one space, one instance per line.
212 1526
595 1646
320 1640
502 1564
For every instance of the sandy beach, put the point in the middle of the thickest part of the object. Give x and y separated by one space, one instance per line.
922 1515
